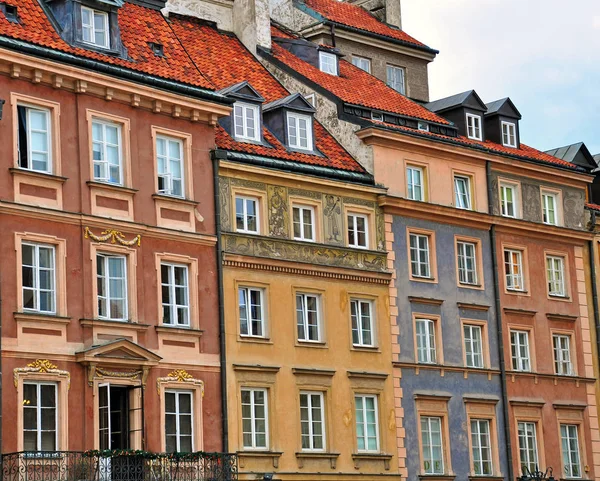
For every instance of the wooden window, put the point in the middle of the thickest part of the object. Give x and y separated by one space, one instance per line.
571 457
420 255
555 272
462 192
473 338
175 294
425 333
395 78
112 286
35 138
179 421
362 63
509 134
255 419
40 416
358 231
170 168
38 267
95 27
481 447
107 152
513 270
551 212
303 219
563 364
415 180
247 216
328 63
528 448
361 313
312 421
519 348
252 311
432 445
308 317
246 121
474 127
367 423
467 263
509 200
300 131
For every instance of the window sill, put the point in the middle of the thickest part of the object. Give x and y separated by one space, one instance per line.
113 323
365 348
303 455
558 297
483 476
274 455
518 292
422 279
41 317
437 477
470 286
172 198
255 340
109 186
358 457
318 345
183 331
40 175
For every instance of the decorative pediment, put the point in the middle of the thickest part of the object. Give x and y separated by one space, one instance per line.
243 91
180 376
118 352
40 366
292 102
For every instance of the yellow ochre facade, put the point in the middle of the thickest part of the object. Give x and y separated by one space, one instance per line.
303 361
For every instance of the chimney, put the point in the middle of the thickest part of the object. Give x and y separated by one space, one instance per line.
393 13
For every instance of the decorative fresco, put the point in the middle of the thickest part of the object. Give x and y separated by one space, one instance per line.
278 211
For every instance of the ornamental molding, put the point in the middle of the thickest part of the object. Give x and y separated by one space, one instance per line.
99 373
180 376
40 366
115 237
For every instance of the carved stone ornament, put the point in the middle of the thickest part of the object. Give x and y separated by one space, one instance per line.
114 236
41 366
95 372
180 376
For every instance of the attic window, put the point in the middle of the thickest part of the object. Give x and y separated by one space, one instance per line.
299 131
328 63
11 13
509 134
474 127
246 122
157 49
95 27
377 116
423 126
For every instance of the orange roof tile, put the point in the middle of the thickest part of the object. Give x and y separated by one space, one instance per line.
357 17
224 60
139 25
355 86
592 206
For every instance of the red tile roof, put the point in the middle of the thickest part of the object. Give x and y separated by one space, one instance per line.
138 25
357 17
525 152
355 86
592 206
224 60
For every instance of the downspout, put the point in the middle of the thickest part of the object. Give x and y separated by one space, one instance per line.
332 30
592 247
218 155
500 331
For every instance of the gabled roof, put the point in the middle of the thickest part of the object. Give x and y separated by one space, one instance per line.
224 60
354 17
468 99
138 25
352 85
504 107
575 153
242 90
118 351
293 101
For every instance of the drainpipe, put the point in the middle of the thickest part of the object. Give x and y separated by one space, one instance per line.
498 306
332 30
592 247
218 155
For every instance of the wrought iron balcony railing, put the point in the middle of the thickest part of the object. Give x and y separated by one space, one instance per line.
118 466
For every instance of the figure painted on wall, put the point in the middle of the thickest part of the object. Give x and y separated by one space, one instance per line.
277 209
332 212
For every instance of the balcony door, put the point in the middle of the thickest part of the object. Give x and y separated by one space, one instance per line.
114 416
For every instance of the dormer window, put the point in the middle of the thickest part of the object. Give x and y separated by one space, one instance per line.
299 131
509 136
328 63
246 121
95 27
474 127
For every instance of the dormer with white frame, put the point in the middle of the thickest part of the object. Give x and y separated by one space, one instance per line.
466 110
245 122
502 123
291 120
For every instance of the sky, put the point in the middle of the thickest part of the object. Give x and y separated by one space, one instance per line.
543 54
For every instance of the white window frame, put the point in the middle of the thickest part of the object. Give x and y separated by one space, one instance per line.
547 208
36 277
365 423
569 433
411 183
168 175
353 229
245 108
361 325
504 203
29 131
253 420
418 268
474 128
104 144
519 341
293 120
466 275
528 449
302 235
509 134
563 361
463 199
304 324
428 448
513 271
250 321
474 337
38 408
426 343
310 411
178 415
92 28
106 279
328 63
479 448
245 199
395 81
172 304
362 63
555 270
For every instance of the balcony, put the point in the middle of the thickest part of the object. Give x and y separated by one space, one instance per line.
118 465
